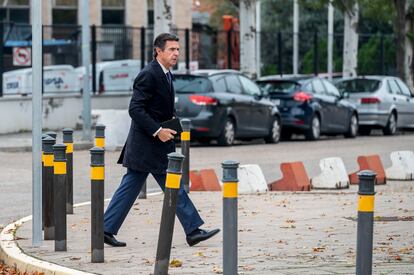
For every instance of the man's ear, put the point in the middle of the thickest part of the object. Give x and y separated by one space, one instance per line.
158 50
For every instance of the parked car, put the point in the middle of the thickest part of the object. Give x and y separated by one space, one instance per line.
112 76
310 105
383 102
225 105
56 79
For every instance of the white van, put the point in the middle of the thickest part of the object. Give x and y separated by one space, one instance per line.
113 76
56 79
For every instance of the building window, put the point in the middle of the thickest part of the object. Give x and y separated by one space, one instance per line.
113 12
16 11
65 12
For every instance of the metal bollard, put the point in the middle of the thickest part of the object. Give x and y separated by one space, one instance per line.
172 186
51 134
143 193
97 203
47 187
59 190
230 181
100 136
365 226
43 183
185 150
68 140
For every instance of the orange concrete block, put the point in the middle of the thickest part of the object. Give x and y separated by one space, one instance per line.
294 178
204 180
372 163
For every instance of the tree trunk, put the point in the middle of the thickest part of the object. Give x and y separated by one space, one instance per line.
401 34
350 51
162 16
248 37
408 57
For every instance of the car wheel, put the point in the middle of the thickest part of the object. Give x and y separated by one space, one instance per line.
353 127
314 131
391 127
274 132
228 133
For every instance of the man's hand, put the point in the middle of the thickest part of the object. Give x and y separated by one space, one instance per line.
166 134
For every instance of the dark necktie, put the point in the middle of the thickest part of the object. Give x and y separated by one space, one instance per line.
168 74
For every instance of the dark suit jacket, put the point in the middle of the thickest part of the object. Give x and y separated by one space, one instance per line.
152 102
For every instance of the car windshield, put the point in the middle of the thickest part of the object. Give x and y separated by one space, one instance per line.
275 87
191 84
358 85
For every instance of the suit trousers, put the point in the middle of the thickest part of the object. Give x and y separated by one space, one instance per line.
127 193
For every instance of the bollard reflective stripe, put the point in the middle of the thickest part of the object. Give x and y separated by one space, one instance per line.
98 173
69 148
230 190
185 136
366 203
48 160
173 181
100 142
59 168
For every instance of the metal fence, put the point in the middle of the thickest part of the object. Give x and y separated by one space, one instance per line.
208 47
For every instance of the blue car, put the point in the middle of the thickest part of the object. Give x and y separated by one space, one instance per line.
311 106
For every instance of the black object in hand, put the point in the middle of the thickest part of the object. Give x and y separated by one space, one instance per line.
173 124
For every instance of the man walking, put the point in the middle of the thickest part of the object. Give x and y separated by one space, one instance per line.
148 144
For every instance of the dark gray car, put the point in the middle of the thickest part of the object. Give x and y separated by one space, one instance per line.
225 105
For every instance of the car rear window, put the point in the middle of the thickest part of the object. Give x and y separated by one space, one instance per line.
358 85
191 84
277 87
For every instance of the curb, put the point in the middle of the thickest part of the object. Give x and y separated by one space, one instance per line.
13 255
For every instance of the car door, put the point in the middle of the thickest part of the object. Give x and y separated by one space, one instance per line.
399 101
407 104
259 112
338 110
326 102
240 103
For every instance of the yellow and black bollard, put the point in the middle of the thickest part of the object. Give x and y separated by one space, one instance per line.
185 150
365 227
172 186
97 203
100 136
47 187
230 195
68 140
59 190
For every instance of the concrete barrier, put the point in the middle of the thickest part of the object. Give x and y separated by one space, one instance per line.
402 166
373 163
294 178
333 176
204 180
59 111
251 179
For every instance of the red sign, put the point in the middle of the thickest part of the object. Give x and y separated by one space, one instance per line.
22 56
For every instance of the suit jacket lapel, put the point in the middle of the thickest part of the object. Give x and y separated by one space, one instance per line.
161 74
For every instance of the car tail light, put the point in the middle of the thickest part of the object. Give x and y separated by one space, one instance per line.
203 100
370 100
302 96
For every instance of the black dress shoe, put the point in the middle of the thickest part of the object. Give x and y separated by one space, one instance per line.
200 235
109 239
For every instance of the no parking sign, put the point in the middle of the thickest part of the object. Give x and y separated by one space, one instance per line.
22 56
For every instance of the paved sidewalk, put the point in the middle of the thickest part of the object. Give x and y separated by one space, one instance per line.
278 232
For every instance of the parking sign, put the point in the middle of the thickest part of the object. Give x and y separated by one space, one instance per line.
22 56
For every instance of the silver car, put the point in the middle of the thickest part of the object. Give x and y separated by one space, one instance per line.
383 102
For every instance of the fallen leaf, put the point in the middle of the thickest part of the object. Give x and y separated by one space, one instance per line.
176 263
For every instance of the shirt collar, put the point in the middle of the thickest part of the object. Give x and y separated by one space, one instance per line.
163 68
